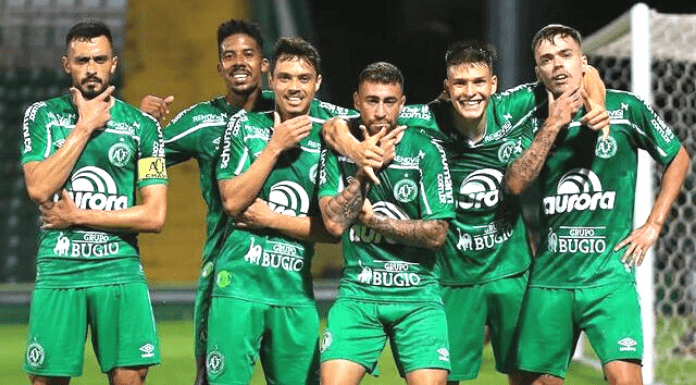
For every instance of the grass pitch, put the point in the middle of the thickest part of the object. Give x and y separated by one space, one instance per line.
178 367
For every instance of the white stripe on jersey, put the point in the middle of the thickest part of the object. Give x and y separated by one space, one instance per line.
192 130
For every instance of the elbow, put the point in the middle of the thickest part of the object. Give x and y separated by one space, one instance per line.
231 208
334 229
512 187
157 222
39 194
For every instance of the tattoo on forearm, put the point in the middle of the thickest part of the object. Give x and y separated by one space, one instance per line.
416 232
345 207
527 167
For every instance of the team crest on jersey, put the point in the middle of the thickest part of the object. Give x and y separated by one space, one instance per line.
215 362
579 190
606 148
326 341
405 190
288 198
119 154
224 278
480 189
35 355
509 149
92 188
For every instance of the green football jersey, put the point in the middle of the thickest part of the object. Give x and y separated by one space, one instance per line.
127 154
415 185
588 193
196 132
265 265
487 240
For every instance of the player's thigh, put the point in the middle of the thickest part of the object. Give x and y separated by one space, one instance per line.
290 347
201 307
353 333
235 329
57 333
465 309
504 298
122 326
614 334
418 335
547 335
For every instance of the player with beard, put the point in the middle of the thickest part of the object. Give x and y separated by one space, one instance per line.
85 158
389 289
196 133
484 262
263 303
584 272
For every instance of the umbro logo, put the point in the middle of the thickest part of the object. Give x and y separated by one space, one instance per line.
147 350
628 345
443 354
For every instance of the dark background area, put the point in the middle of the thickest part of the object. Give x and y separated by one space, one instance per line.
414 35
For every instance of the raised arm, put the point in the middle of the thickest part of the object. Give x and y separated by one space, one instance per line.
522 172
239 192
146 217
45 178
644 237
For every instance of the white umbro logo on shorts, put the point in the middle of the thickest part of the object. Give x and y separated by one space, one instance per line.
628 345
147 350
443 354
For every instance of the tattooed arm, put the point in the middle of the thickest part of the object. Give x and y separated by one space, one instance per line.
340 211
522 172
430 234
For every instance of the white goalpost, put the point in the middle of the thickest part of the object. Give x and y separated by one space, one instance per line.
661 50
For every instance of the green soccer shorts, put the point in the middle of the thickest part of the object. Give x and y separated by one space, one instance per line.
285 339
201 308
552 319
119 318
358 331
469 309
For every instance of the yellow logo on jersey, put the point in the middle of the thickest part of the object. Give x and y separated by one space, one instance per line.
152 168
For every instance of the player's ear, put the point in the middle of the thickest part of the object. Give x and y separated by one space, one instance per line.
494 84
355 100
265 65
114 64
318 84
65 64
536 72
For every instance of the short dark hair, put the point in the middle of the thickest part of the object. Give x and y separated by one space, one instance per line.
383 73
87 30
471 52
551 31
233 26
288 48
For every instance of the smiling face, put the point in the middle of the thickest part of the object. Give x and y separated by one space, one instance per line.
470 86
294 81
90 63
241 64
379 105
560 64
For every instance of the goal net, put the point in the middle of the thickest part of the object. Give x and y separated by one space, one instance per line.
654 55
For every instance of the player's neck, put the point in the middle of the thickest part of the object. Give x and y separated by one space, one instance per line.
245 101
472 129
